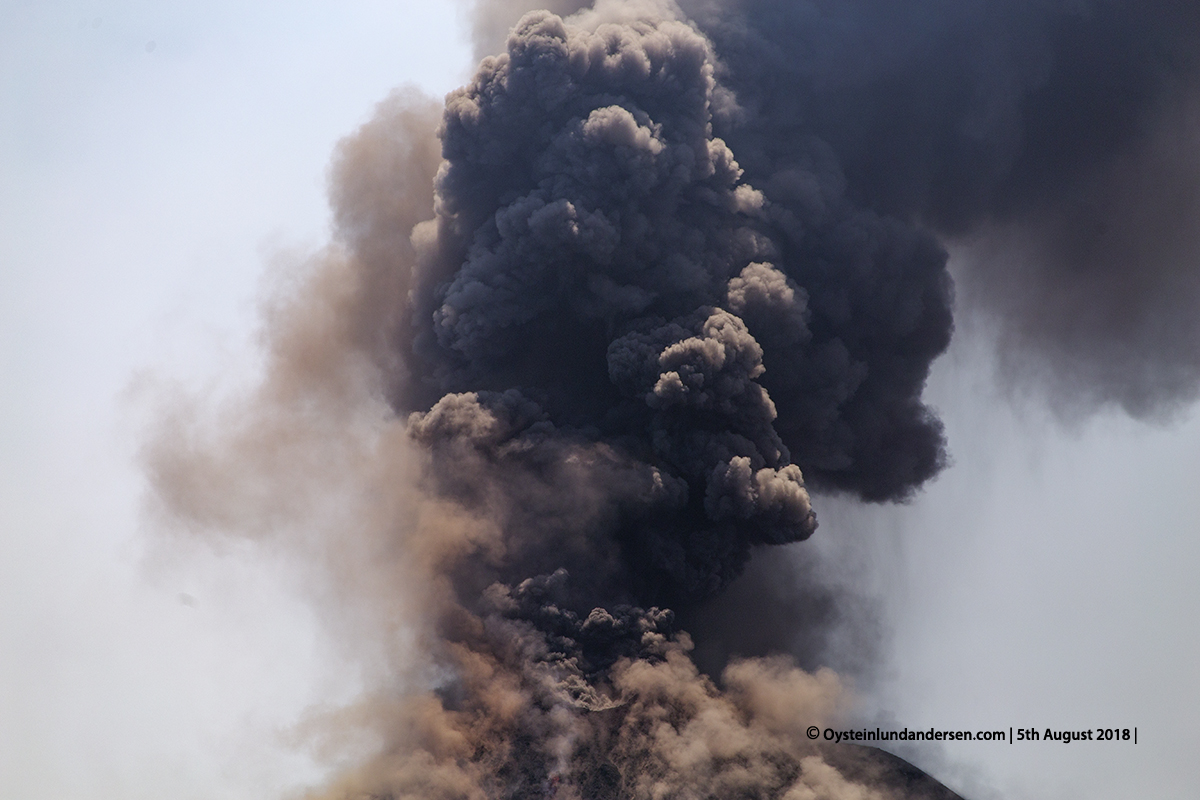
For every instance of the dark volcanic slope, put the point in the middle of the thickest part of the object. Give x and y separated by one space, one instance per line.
890 774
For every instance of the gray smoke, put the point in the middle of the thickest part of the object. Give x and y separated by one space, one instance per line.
1056 140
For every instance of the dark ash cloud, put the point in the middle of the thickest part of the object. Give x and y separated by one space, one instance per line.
1055 141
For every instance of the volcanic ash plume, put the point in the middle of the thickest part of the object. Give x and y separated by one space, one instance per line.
609 348
528 406
593 314
564 369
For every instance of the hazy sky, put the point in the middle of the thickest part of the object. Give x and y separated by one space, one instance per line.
155 160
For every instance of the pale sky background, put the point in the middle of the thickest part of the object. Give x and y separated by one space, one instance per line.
153 158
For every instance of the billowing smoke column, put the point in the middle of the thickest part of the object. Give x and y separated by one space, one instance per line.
627 359
601 276
668 273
